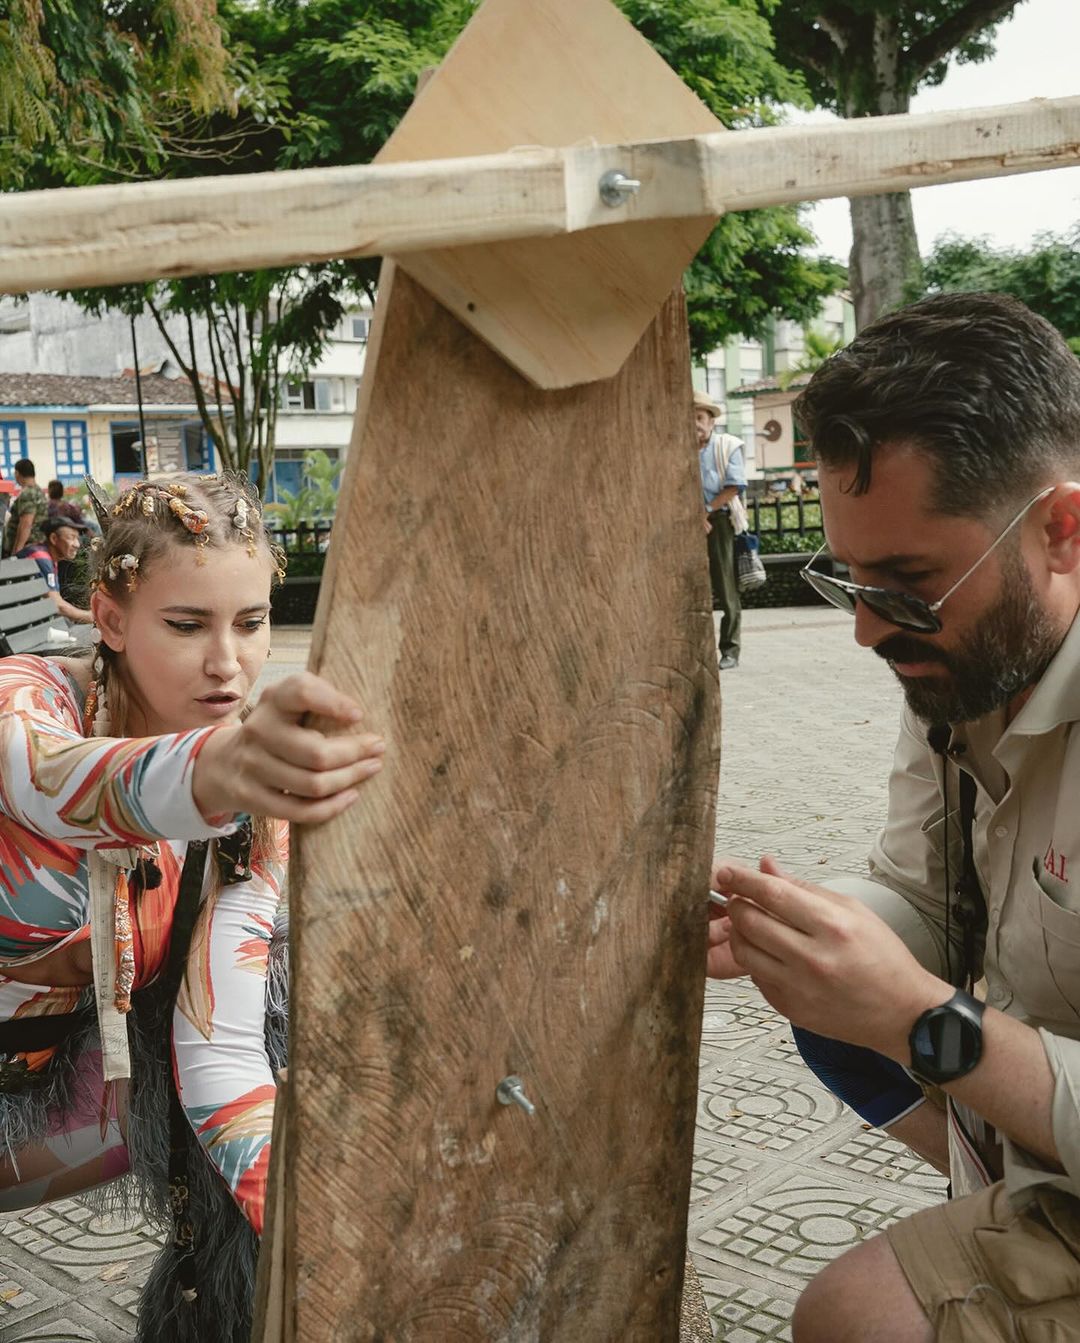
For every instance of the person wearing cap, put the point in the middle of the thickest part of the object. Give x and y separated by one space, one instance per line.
723 482
62 536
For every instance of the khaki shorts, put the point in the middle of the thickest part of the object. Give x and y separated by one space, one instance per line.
982 1271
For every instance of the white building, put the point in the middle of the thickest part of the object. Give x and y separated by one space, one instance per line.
45 334
317 412
741 362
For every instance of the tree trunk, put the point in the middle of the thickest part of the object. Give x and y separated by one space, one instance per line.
885 266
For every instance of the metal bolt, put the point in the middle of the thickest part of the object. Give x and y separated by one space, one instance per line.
616 188
511 1091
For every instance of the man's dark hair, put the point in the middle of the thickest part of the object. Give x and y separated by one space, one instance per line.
55 489
25 467
986 389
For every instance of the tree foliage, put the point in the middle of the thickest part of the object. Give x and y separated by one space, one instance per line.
1046 276
867 58
351 68
244 335
92 88
304 83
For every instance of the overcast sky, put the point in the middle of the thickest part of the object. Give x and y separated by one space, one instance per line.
1038 56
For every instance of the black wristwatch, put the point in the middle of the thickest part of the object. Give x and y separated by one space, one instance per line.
946 1041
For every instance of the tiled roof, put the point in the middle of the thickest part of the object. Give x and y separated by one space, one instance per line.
56 389
769 385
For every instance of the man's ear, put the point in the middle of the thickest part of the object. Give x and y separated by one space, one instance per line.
1062 528
109 617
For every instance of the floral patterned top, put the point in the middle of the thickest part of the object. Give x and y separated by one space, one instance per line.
62 794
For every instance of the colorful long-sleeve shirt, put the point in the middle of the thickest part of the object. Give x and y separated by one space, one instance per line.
62 794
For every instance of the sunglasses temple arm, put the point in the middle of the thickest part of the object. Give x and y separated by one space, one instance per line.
936 606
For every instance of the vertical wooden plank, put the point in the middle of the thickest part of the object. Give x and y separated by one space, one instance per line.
270 1323
518 593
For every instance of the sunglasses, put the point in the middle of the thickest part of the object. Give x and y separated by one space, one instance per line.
902 609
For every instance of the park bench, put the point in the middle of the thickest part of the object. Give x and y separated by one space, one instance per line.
28 613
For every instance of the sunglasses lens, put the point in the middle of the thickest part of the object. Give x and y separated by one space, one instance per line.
825 587
906 613
898 608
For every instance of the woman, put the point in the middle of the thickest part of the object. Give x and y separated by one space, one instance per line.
113 774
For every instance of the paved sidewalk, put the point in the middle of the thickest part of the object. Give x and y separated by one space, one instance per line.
783 1179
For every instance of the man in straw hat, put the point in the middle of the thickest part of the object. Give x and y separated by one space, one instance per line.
723 481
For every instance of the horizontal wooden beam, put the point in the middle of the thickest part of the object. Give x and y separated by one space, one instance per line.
112 234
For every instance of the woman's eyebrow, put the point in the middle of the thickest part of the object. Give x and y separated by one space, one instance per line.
260 608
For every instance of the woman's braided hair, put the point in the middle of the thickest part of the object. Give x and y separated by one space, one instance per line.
201 511
205 512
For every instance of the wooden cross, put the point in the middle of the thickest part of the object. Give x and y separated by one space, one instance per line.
518 593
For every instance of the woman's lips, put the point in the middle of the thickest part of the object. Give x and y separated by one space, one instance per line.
219 706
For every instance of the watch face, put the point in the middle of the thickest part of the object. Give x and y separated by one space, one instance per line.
946 1042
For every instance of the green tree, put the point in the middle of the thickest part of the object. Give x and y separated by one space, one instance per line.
351 68
88 88
1046 276
316 498
818 348
868 58
324 82
241 336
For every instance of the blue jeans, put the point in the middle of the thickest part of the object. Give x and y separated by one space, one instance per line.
877 1089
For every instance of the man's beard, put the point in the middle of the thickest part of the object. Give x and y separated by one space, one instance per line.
1010 648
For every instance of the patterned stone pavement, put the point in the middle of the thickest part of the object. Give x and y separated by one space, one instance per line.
784 1180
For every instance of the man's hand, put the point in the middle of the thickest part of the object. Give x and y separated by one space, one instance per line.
824 961
272 765
721 962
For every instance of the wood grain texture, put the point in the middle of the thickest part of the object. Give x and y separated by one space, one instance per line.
271 1323
517 593
112 234
556 74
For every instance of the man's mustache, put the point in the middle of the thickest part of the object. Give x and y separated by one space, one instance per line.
900 649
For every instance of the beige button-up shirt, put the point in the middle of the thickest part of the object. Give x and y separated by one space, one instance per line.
1027 852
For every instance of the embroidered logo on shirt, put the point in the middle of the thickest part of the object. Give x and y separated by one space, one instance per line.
1055 863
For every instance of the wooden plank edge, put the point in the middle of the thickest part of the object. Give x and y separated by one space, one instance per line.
114 234
272 1318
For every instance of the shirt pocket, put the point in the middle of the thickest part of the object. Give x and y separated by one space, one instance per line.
1040 953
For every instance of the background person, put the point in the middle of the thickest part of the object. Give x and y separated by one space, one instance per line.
27 512
61 507
61 545
948 443
723 482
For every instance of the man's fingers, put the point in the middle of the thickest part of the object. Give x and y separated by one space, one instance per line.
757 960
721 964
772 868
777 896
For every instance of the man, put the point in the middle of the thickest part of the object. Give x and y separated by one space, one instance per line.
723 481
61 543
61 507
28 510
948 443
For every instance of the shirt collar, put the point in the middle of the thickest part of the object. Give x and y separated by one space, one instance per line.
1056 697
